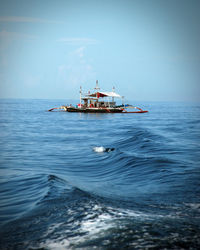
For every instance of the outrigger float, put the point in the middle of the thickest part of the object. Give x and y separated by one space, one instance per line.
100 102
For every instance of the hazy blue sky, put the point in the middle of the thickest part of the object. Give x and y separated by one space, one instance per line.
147 49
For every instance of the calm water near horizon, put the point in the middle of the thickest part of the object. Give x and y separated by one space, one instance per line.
57 193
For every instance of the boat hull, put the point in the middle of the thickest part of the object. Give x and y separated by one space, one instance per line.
94 110
136 112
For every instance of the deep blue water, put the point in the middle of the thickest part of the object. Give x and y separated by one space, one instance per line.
57 193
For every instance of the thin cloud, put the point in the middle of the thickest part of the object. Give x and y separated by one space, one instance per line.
77 70
79 52
78 41
15 35
22 19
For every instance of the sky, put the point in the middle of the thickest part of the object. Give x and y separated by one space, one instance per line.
148 49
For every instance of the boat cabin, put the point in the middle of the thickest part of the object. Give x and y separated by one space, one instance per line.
96 103
98 99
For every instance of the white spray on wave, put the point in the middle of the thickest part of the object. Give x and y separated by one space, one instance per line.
102 149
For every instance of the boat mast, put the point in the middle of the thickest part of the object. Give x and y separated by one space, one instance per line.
123 101
113 90
97 87
80 96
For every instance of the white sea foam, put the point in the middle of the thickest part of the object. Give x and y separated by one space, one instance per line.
96 223
95 226
56 245
195 206
99 149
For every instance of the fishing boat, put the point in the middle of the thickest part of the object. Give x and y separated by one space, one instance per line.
100 102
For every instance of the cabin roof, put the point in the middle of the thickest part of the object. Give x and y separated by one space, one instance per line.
105 94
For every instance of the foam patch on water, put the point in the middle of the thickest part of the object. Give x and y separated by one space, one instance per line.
56 245
96 224
99 149
195 206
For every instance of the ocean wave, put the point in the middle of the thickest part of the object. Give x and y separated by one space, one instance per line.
19 195
57 192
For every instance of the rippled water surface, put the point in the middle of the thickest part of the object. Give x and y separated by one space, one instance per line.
57 193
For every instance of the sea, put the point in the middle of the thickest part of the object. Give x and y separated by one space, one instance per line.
57 193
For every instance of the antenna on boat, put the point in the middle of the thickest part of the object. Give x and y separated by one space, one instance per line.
97 86
80 95
123 101
113 90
